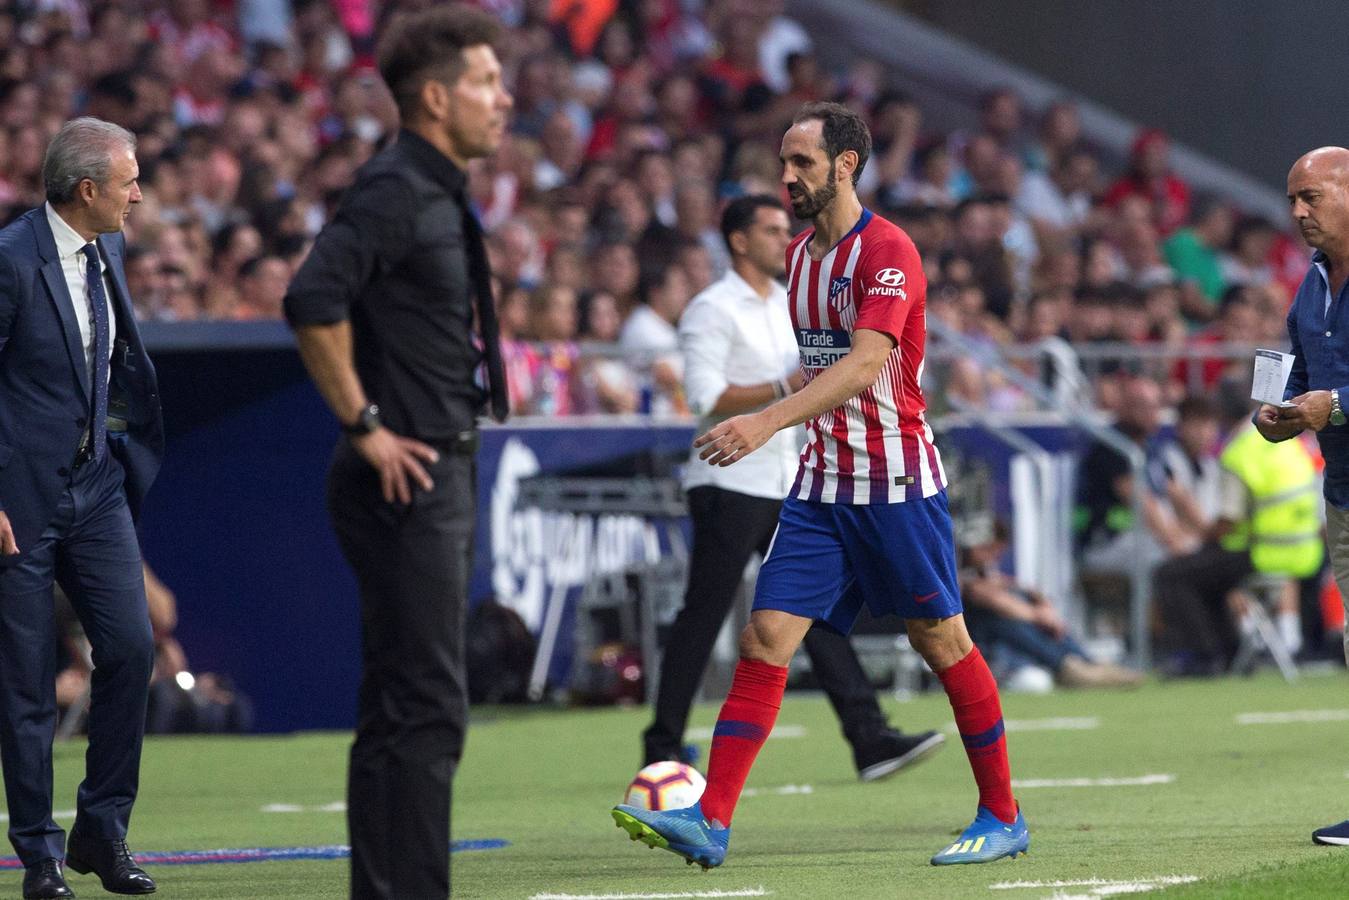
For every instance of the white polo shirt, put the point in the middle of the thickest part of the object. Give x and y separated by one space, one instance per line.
729 335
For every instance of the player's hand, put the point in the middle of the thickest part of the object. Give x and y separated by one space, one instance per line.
7 544
734 439
1309 410
397 459
1270 422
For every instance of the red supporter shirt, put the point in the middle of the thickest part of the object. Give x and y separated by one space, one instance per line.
876 447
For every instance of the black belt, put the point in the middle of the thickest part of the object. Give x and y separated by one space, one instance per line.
465 443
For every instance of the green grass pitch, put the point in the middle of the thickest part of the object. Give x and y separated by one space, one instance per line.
1236 812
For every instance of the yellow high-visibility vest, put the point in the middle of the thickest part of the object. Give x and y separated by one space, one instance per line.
1283 531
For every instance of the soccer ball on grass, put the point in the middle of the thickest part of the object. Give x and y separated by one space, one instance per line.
665 785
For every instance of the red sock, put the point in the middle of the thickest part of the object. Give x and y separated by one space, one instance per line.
974 697
746 717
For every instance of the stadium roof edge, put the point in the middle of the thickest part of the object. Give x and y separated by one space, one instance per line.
939 67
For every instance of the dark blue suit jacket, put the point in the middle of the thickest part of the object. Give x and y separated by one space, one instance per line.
44 385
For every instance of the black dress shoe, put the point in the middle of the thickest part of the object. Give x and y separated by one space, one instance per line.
45 880
111 861
891 750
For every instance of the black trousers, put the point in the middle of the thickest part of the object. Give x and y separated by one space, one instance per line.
1191 596
727 529
90 548
412 565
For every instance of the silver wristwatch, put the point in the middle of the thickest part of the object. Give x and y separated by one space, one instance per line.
1336 413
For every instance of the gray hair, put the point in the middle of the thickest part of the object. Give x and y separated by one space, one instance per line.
82 149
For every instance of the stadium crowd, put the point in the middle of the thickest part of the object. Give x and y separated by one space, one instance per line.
634 122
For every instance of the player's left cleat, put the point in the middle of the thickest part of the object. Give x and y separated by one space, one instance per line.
1335 835
988 838
682 831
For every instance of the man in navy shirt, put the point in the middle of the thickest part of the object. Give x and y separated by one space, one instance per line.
1318 326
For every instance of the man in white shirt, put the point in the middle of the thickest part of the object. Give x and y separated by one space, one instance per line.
740 354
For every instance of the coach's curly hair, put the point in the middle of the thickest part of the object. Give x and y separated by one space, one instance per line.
841 129
429 44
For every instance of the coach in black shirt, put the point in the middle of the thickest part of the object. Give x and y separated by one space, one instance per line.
384 311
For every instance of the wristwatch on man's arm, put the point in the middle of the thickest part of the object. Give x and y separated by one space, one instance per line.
367 420
1336 412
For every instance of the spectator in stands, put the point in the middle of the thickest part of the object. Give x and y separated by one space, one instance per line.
262 287
697 264
1150 177
1188 465
650 340
1112 542
1000 118
1193 254
517 351
1268 521
610 381
616 273
554 320
1238 323
1058 200
1058 137
696 208
1247 261
1021 626
896 123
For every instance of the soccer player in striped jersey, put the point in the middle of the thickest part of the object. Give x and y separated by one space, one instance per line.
867 519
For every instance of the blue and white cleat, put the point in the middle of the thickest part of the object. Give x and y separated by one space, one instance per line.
682 831
1335 835
988 838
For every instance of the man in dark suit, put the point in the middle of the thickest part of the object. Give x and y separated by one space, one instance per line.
384 312
80 442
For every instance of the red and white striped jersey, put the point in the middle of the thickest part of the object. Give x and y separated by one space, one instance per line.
876 447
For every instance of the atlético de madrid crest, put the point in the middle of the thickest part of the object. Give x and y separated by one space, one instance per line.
838 297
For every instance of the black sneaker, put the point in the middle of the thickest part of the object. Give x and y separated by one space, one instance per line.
893 750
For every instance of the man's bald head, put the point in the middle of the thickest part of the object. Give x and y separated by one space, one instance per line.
1318 197
1324 159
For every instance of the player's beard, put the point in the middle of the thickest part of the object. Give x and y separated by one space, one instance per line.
814 202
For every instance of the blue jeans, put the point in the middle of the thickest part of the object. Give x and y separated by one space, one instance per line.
1011 644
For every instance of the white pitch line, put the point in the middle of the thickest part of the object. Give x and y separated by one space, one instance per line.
782 790
59 814
779 731
1101 887
746 892
1084 723
1296 715
1134 781
339 806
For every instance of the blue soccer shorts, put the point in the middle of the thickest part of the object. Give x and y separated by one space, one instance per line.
827 559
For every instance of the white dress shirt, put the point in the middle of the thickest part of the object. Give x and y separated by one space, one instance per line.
74 266
730 335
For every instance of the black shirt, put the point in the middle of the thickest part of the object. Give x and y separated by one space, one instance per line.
395 262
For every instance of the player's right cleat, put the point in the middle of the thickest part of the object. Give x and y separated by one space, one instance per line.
1335 835
682 831
988 838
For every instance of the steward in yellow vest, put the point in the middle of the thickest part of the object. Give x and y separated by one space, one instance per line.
1282 531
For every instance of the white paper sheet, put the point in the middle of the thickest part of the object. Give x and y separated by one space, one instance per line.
1272 369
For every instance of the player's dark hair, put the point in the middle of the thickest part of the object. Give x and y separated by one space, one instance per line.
740 212
841 129
430 43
